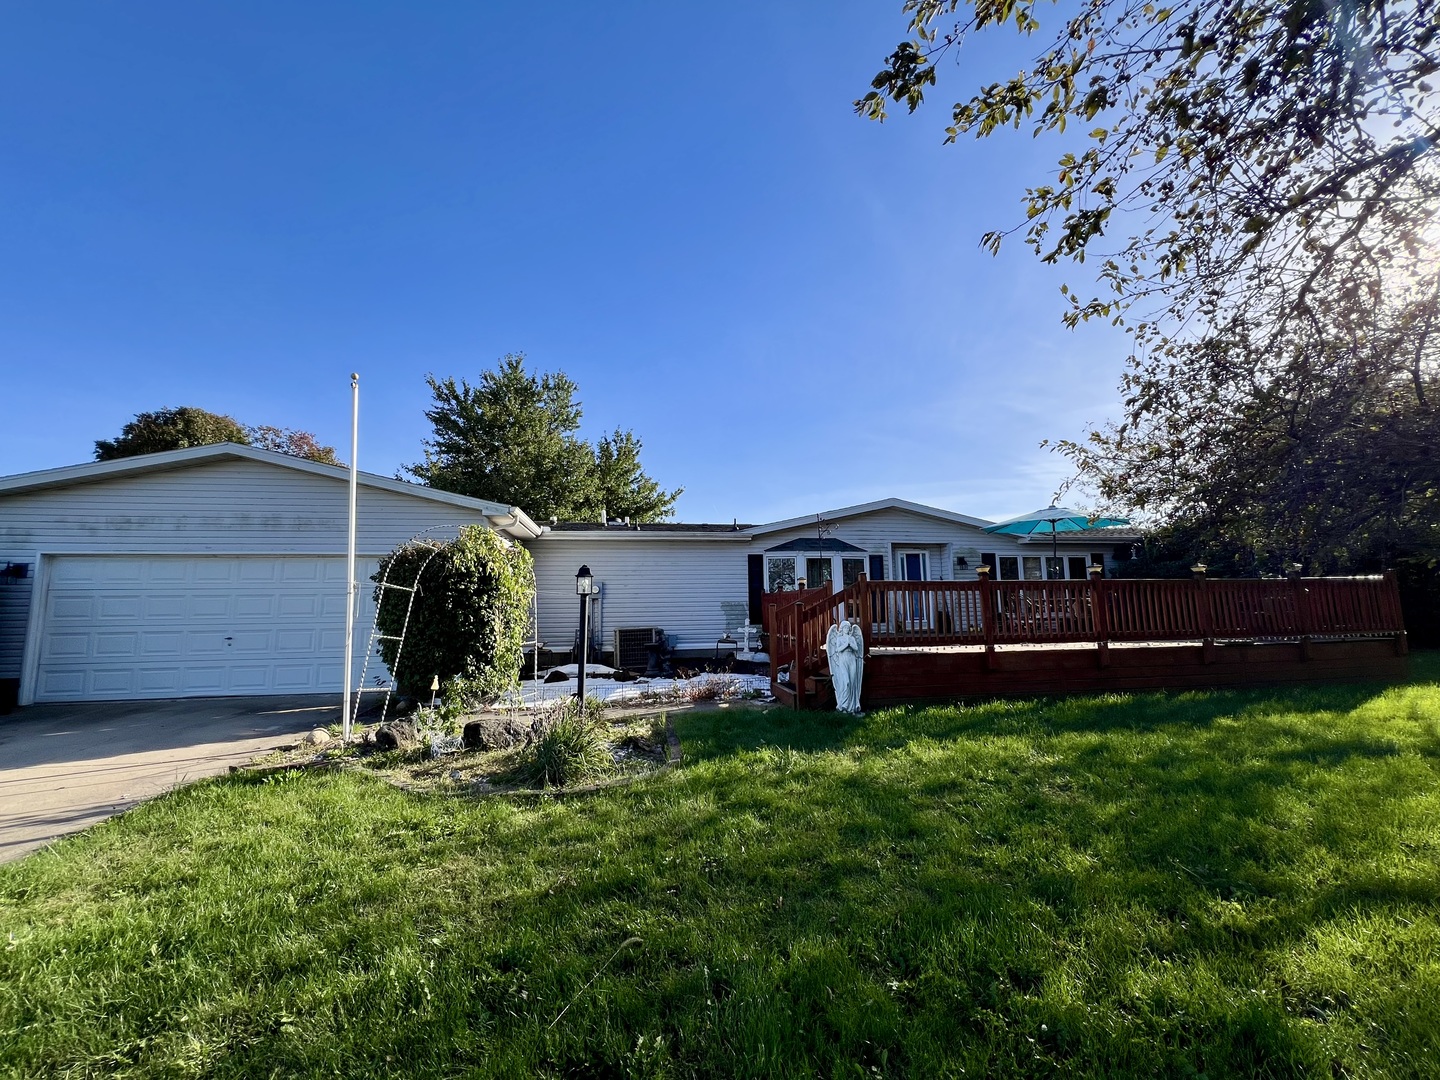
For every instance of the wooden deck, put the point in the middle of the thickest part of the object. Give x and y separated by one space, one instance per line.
928 640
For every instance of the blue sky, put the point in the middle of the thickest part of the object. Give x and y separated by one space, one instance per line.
233 206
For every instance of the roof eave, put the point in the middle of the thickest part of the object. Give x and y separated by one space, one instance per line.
870 508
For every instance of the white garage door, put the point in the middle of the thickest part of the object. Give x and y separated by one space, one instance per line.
155 627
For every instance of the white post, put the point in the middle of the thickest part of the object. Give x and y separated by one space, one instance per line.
351 591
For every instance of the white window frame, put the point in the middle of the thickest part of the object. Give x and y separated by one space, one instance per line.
899 563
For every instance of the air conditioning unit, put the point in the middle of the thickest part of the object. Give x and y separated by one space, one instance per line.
632 646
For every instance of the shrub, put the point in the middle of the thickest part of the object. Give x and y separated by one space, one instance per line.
470 615
572 747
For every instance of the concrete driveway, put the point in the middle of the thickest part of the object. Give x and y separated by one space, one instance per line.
65 767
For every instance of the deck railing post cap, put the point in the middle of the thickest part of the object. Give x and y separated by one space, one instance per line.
984 571
1095 570
1198 569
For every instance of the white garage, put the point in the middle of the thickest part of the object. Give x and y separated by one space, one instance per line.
206 572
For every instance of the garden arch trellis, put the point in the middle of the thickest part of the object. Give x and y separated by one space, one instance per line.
433 539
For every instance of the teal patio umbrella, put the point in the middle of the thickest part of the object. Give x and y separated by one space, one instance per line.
1054 520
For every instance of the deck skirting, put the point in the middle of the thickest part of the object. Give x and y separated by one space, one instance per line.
896 675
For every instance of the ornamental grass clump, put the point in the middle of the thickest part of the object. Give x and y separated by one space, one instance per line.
573 746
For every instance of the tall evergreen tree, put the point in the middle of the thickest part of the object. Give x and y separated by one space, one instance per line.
625 491
513 438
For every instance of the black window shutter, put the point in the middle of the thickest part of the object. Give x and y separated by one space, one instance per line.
757 587
988 558
877 567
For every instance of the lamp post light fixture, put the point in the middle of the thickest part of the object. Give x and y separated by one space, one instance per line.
584 588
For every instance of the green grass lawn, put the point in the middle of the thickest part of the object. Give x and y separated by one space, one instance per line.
1172 884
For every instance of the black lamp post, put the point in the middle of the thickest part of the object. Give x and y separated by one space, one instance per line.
584 588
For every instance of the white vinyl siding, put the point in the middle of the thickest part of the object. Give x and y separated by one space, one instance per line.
676 584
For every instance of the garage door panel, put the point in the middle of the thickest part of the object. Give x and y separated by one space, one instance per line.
61 685
296 641
67 645
155 680
155 644
250 642
255 607
165 606
249 680
260 571
302 605
108 646
295 676
119 606
214 571
203 680
208 606
168 572
79 608
112 681
206 643
204 625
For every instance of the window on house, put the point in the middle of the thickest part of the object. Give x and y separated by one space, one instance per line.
877 567
987 558
1009 568
850 571
1097 558
780 573
1031 563
1054 567
818 572
1077 567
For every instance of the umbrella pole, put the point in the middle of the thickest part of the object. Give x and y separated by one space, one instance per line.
1054 547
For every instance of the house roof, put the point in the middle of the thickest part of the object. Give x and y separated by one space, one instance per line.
814 543
870 508
667 530
507 519
1111 533
657 526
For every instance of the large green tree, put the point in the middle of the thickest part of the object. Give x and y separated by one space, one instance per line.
186 426
622 486
170 429
514 438
1255 184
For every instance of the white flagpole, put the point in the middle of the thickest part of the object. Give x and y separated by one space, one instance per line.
351 591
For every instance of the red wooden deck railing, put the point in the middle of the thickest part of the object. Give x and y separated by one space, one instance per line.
921 614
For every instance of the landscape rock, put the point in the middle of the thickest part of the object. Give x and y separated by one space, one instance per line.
318 737
495 733
396 735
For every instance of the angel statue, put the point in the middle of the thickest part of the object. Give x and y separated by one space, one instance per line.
846 646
